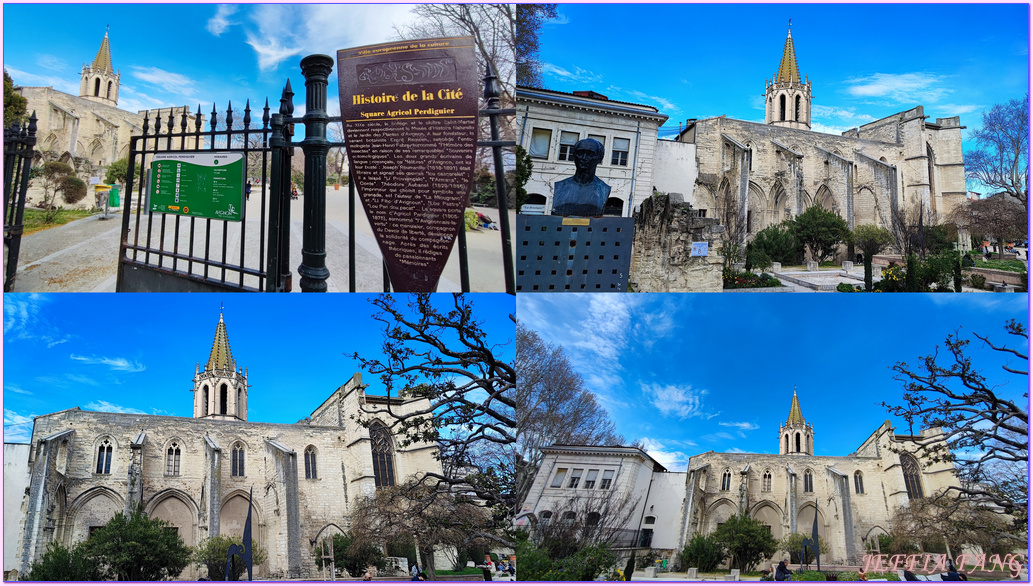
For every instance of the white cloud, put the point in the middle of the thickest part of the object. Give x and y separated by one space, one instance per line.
14 389
277 32
23 321
907 88
82 380
114 363
174 83
664 104
672 460
579 75
51 62
59 82
671 400
736 451
220 22
17 428
742 425
107 407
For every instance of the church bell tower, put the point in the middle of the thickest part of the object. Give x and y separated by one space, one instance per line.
220 388
796 435
788 100
100 81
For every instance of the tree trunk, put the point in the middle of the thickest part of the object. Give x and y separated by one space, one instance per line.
868 272
428 561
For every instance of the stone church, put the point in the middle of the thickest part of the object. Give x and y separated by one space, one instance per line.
854 497
766 173
89 127
84 467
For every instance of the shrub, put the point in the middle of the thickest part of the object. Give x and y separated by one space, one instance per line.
703 552
846 288
354 555
744 280
60 563
978 281
470 218
211 554
777 243
822 231
73 189
136 548
793 544
747 541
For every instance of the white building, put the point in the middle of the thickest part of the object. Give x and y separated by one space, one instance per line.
854 497
549 123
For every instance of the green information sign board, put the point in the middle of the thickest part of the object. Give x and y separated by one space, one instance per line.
207 185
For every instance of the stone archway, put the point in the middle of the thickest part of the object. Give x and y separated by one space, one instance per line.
769 514
827 200
177 509
718 512
805 521
93 509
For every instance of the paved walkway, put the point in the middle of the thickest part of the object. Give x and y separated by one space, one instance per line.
82 256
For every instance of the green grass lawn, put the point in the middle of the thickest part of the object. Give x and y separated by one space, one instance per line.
33 218
463 572
1014 265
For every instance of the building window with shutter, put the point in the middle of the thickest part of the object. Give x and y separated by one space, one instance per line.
619 157
607 480
541 138
567 142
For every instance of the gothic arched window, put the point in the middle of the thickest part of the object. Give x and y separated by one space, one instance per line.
912 476
766 486
858 483
109 90
380 445
222 399
310 462
104 457
238 459
782 107
205 400
797 118
96 88
172 460
726 480
808 481
240 404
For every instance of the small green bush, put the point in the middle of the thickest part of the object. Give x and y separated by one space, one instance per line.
746 280
978 281
704 553
846 288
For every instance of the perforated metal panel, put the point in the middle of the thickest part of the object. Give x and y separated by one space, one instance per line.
573 254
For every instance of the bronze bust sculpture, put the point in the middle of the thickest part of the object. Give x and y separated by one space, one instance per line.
584 194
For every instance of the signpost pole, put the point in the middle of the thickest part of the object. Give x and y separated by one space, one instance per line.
313 271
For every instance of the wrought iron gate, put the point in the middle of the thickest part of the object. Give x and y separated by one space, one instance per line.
19 146
163 252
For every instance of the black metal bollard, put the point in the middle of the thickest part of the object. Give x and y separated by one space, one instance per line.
313 271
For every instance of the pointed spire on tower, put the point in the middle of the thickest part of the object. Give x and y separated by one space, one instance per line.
102 62
788 70
221 358
795 415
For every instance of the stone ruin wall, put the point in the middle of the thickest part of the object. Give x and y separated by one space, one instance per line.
665 229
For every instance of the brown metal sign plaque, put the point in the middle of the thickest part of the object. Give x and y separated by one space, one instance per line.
410 123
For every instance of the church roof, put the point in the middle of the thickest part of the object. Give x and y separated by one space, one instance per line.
795 415
221 358
103 59
788 70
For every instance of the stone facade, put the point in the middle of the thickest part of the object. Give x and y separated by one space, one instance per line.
661 259
854 497
90 126
551 122
196 473
776 170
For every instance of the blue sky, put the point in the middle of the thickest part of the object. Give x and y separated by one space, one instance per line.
864 61
690 373
186 54
137 352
